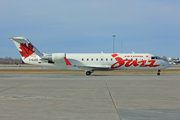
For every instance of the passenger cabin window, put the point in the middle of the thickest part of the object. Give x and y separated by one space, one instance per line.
87 59
92 59
111 59
155 58
82 59
96 59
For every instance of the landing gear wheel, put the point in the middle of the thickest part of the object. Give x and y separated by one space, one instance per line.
159 72
88 73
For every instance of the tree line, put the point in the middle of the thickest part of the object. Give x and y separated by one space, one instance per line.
9 60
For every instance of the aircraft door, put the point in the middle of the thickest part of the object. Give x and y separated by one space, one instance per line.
142 58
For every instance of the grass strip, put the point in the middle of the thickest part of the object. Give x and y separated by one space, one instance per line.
115 72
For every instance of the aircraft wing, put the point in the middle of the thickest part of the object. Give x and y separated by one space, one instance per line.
93 68
89 67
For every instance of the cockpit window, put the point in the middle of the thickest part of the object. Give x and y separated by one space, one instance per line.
155 57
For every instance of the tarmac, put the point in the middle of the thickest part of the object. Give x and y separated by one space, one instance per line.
80 97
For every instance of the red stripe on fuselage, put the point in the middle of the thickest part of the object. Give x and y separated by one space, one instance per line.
67 62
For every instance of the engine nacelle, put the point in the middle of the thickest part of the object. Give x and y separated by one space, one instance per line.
55 57
58 57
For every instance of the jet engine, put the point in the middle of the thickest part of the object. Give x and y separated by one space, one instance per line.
54 57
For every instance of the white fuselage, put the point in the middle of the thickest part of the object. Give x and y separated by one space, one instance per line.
104 61
88 62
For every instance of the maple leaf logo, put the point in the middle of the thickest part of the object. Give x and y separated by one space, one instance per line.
26 51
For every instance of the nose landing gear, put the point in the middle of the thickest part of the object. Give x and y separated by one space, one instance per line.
159 72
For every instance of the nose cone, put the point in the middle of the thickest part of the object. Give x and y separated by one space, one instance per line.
167 65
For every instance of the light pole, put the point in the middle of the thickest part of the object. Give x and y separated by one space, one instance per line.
113 41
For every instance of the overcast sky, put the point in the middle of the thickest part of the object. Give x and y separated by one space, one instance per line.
87 26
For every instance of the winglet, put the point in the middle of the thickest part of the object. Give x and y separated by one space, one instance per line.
67 62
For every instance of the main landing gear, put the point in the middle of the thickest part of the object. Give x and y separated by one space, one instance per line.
159 72
88 73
